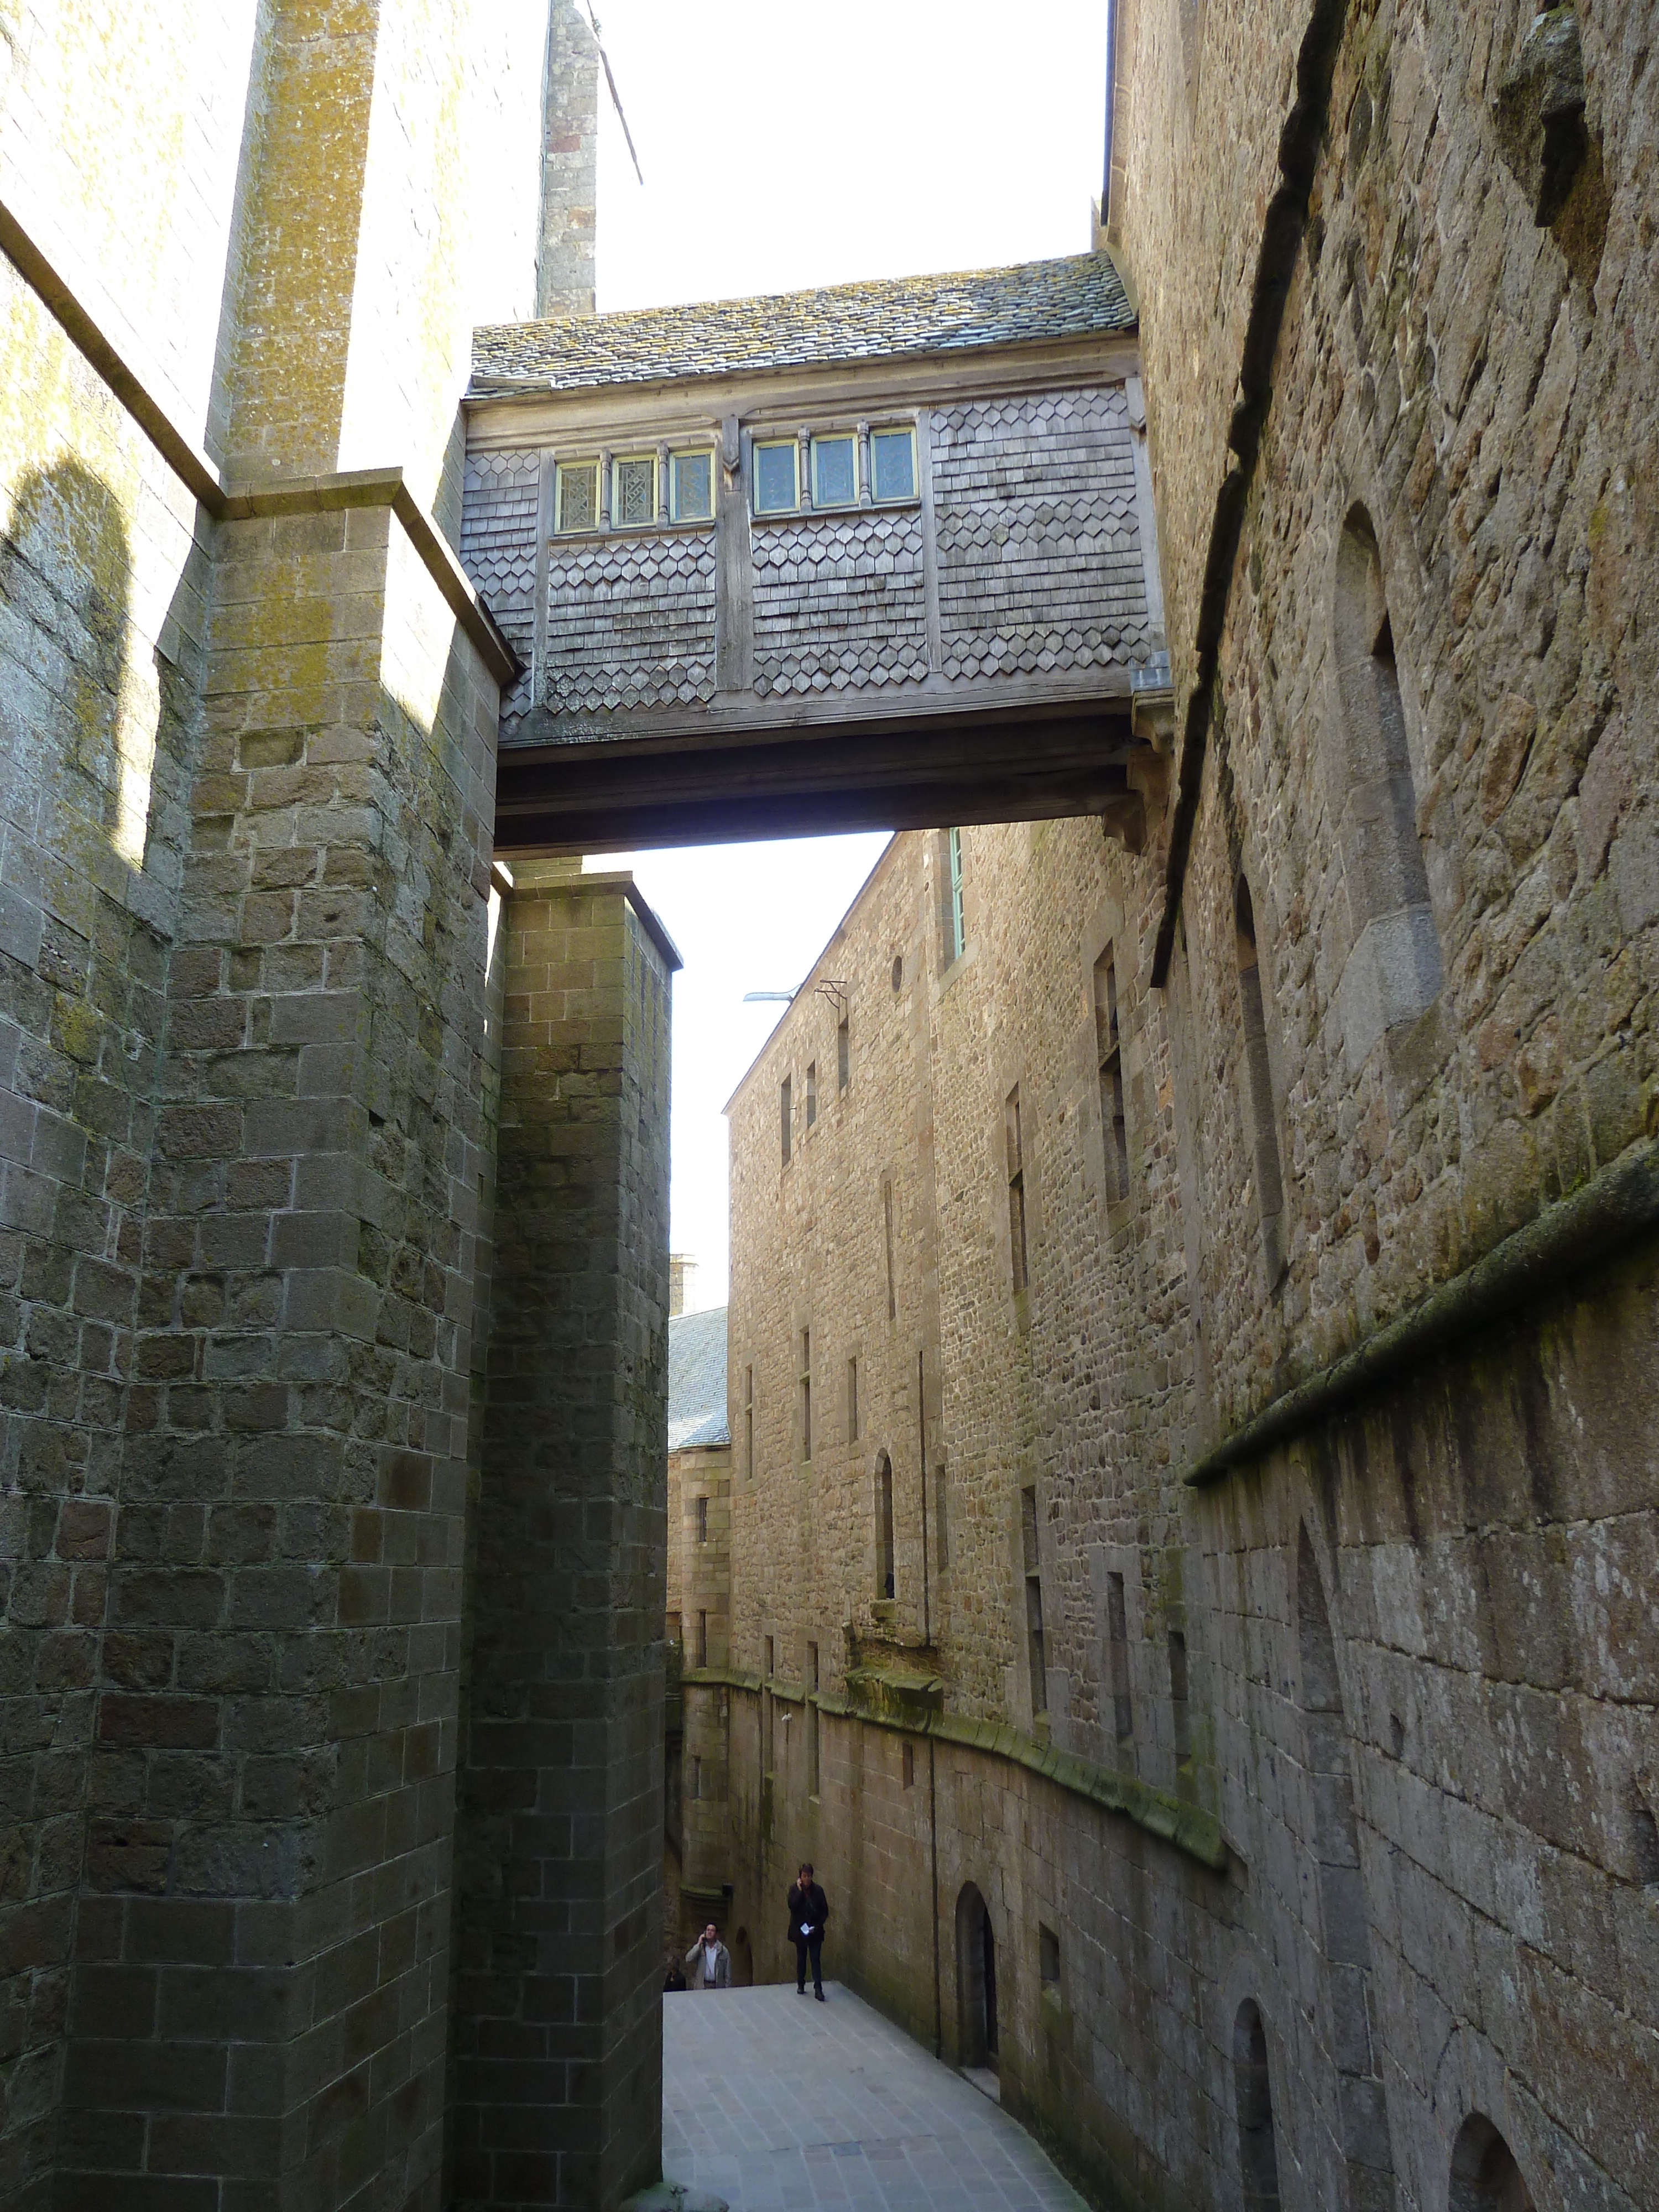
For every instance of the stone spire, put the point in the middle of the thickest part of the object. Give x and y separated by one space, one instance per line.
570 140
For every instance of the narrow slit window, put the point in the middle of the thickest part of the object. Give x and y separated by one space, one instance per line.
1261 1115
1181 1720
776 490
812 1092
703 1520
1036 1641
785 1114
1117 1647
893 464
852 1400
806 1393
834 472
813 1768
633 490
907 1766
957 931
1016 1190
576 503
1048 1957
887 1233
749 1423
1109 1050
843 1053
692 487
696 1777
884 1578
702 1639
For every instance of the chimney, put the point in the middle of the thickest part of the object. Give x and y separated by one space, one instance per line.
570 146
681 1267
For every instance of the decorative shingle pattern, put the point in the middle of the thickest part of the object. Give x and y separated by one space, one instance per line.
840 604
498 551
630 622
1036 300
696 1380
1039 554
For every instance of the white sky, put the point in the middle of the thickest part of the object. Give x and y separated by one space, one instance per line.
784 147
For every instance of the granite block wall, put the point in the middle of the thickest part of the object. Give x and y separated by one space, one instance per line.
557 2073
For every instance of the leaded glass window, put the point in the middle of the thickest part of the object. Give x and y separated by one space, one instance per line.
635 500
835 472
692 482
775 478
893 464
578 500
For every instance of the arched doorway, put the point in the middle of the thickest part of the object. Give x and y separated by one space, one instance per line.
1485 2176
976 1981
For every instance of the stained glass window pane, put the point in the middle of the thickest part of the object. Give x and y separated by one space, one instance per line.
834 471
636 492
578 508
775 478
694 500
892 464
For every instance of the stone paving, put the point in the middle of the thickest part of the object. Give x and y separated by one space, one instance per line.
779 2104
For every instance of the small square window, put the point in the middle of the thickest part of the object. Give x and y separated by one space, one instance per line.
835 472
578 503
893 464
634 499
775 478
692 487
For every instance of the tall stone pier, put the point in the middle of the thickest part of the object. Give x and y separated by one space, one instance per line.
557 2090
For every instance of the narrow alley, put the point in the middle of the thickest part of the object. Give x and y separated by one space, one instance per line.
778 2104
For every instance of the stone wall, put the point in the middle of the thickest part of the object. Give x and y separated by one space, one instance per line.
557 2087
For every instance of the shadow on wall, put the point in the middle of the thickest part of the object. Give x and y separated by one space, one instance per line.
76 803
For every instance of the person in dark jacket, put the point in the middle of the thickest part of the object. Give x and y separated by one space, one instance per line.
808 1911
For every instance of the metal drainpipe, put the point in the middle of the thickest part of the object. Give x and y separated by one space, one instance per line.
921 1439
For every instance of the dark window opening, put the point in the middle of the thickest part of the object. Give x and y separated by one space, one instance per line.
1108 1052
812 1092
898 971
1258 2150
852 1402
784 1115
703 1520
702 1639
1016 1188
806 1393
884 1583
696 1777
1036 1641
908 1766
843 1053
749 1424
1485 2176
812 1767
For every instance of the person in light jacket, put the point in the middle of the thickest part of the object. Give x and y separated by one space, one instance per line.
708 1962
808 1911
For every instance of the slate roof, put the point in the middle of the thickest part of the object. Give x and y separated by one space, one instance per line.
886 319
696 1380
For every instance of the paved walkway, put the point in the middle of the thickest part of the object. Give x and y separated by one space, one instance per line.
781 2105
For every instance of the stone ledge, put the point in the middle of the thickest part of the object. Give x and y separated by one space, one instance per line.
1616 1206
1188 1828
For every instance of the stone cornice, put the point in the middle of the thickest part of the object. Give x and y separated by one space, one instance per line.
1615 1206
279 495
1188 1828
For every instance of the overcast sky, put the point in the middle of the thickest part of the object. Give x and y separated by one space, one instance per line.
783 147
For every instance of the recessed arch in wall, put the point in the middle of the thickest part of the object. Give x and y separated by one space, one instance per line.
1485 2176
1343 1933
1253 2098
1393 971
977 1980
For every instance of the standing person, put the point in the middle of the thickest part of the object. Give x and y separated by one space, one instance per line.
808 1911
708 1962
